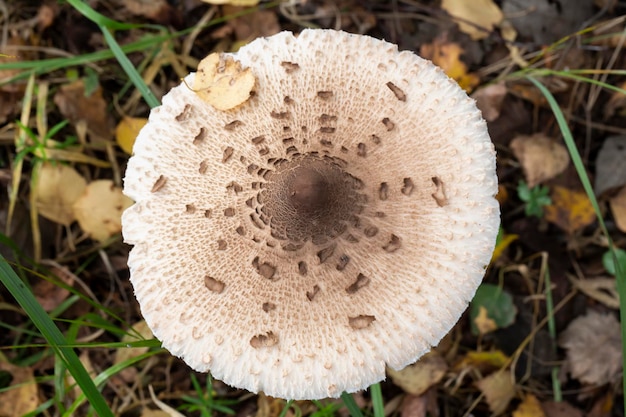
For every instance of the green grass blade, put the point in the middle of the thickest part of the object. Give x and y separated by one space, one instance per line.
556 383
105 375
54 336
106 25
129 69
283 413
351 405
98 18
377 400
620 275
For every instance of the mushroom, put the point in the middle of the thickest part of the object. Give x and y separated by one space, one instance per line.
337 221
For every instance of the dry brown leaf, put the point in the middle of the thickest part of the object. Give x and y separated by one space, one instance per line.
603 406
571 210
127 130
46 15
489 100
251 26
152 9
99 209
594 348
529 407
541 157
58 188
21 396
477 18
498 389
222 82
420 406
618 208
11 53
560 409
75 106
610 166
417 378
447 55
617 102
49 294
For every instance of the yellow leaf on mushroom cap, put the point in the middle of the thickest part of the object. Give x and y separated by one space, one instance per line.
222 82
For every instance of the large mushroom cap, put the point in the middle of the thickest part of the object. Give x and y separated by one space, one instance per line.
336 222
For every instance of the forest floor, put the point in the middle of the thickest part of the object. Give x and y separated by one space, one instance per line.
542 338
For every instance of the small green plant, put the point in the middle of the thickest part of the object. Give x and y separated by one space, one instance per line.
608 261
534 198
205 402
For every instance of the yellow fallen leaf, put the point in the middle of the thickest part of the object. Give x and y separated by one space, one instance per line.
222 82
127 130
498 389
477 18
484 361
541 157
529 407
571 210
99 209
447 55
417 378
245 3
483 322
504 243
21 395
58 188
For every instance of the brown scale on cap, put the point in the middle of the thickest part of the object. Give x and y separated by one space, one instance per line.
288 232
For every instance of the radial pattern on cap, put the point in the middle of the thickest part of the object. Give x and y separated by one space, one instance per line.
337 222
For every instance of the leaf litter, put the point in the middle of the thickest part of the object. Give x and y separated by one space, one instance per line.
481 45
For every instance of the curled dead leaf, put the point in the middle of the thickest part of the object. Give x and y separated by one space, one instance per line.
222 82
76 106
541 157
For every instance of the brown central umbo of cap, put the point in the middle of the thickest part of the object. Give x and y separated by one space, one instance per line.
311 198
